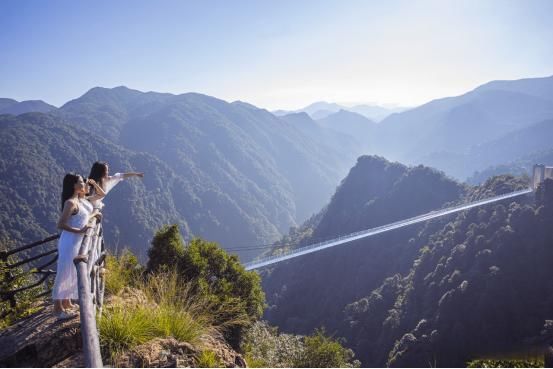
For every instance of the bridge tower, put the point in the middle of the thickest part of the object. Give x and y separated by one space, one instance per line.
540 173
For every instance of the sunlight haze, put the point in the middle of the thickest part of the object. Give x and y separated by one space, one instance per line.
276 55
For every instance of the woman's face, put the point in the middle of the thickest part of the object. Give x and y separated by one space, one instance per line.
107 171
80 187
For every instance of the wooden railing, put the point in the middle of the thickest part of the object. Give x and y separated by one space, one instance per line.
90 277
89 263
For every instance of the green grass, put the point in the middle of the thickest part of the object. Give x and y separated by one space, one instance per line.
208 359
509 363
121 328
171 310
123 271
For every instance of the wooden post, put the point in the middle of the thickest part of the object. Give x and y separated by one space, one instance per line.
89 332
548 357
8 277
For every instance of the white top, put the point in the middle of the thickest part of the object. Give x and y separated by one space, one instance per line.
108 184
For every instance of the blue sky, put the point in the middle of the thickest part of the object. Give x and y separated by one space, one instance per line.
274 54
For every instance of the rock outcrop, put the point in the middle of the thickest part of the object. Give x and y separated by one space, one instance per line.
39 340
43 341
170 353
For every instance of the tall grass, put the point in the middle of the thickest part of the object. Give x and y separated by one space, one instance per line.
208 359
172 309
123 271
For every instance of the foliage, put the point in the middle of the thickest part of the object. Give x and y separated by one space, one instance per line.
167 248
122 271
476 287
26 301
438 293
208 359
264 346
170 309
218 277
231 174
535 363
305 292
324 352
122 328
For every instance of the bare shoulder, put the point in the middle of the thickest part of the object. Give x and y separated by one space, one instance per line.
70 204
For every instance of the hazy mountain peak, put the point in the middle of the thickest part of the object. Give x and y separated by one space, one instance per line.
298 118
244 105
14 107
322 109
538 87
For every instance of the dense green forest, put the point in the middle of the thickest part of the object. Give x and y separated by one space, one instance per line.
480 286
418 295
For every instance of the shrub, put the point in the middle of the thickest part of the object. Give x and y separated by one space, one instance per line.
170 310
123 271
529 363
234 294
11 280
208 359
324 352
122 328
167 248
265 347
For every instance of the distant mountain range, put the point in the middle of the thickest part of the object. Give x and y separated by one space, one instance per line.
322 109
228 172
442 132
248 175
11 106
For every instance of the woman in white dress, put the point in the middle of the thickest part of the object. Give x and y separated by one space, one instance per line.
77 211
100 173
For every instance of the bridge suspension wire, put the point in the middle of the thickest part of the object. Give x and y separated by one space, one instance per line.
377 230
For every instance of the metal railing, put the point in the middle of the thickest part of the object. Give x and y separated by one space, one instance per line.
11 270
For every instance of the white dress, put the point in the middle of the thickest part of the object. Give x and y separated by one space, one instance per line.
108 185
65 285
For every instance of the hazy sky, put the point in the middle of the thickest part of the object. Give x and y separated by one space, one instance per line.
274 54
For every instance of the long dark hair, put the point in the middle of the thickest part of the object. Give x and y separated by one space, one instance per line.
97 173
68 187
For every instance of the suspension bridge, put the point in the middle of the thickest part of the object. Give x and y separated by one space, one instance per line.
256 264
540 173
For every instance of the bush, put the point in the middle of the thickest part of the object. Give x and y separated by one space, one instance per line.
170 310
122 328
234 294
324 352
265 347
167 248
123 271
535 363
208 359
26 300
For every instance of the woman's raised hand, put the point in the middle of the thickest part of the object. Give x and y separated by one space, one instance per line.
91 181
